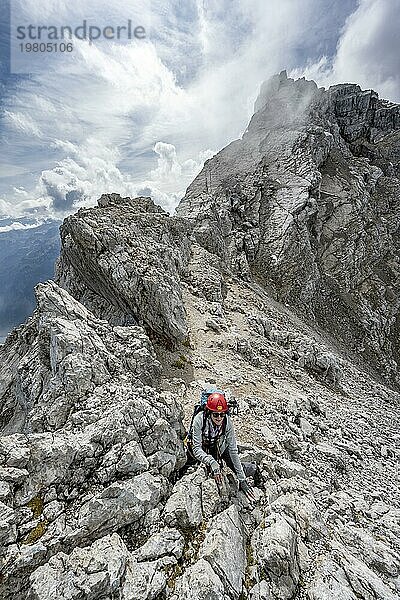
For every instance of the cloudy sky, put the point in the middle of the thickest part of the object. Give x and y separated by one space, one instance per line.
141 116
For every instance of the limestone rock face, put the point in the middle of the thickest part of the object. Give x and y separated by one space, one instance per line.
61 359
194 498
80 428
124 260
200 582
349 580
307 202
223 548
276 551
111 570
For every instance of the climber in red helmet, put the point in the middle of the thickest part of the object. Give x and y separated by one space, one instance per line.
214 441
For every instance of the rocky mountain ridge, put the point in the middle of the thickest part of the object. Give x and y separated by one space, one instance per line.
307 203
95 388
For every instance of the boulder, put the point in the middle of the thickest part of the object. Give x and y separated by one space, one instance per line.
224 548
199 582
168 542
194 498
275 548
121 503
104 569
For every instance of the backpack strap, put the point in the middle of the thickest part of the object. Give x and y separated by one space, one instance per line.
205 418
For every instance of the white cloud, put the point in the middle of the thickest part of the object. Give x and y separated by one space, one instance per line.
145 114
91 171
22 122
367 51
167 161
21 192
34 207
170 172
5 208
16 226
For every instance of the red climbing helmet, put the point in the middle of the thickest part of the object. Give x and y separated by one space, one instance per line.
216 403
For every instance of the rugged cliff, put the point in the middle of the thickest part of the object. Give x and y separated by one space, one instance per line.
307 203
277 279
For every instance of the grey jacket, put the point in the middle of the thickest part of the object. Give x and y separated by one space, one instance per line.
226 441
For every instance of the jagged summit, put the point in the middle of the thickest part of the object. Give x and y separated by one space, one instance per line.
307 202
278 279
287 90
296 106
141 204
367 115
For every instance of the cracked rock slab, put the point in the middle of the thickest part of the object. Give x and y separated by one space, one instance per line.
169 542
275 547
121 503
347 579
193 498
224 548
105 569
200 582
